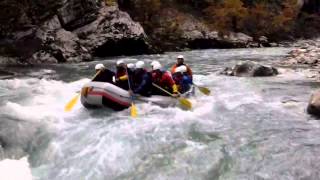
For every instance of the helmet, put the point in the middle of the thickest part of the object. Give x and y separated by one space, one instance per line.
181 69
99 67
119 62
131 66
154 62
156 66
180 57
140 64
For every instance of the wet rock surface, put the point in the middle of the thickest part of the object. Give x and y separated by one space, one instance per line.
69 31
306 52
314 104
113 33
249 69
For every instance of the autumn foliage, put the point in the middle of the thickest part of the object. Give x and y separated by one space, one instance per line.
276 19
259 18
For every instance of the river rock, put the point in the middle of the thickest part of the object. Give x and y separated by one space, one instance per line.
250 69
307 54
237 40
67 31
314 104
113 33
74 13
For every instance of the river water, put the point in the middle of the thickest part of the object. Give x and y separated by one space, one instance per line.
249 128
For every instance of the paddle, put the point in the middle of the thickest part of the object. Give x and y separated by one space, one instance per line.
69 106
133 108
204 90
183 101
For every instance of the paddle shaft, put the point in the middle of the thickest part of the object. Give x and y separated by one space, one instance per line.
162 89
133 110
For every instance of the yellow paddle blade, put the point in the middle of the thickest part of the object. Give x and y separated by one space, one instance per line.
204 90
185 103
134 112
71 103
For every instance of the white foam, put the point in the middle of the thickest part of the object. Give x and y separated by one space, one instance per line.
11 169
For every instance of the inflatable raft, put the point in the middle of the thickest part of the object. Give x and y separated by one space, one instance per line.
101 94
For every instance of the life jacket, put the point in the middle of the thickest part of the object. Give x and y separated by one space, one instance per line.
164 80
177 77
142 82
122 77
189 71
121 73
183 82
104 76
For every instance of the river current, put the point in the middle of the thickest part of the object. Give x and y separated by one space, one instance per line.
248 128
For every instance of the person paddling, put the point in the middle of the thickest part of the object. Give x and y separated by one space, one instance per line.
105 75
180 62
182 79
142 80
164 80
121 77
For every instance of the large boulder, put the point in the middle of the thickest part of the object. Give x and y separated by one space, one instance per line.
68 31
250 69
75 13
113 33
40 37
236 40
314 104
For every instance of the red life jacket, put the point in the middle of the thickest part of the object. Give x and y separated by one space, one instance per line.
163 79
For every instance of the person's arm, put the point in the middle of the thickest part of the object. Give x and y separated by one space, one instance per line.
142 85
123 78
98 76
171 82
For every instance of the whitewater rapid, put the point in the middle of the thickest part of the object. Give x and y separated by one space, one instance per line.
248 128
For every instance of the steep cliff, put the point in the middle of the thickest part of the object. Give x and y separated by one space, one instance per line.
66 31
76 30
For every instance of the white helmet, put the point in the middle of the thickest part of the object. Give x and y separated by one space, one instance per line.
180 57
119 62
99 67
154 62
156 66
131 66
140 64
181 69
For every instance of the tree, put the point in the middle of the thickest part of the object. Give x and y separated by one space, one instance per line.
227 15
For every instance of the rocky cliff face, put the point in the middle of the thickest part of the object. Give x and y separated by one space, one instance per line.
76 30
66 31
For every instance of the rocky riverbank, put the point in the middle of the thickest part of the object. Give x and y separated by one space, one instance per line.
305 53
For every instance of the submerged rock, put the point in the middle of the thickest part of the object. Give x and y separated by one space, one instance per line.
314 104
250 69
